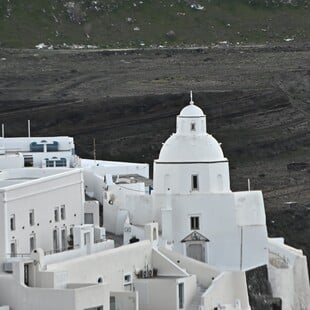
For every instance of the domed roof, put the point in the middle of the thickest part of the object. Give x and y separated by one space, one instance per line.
180 148
191 110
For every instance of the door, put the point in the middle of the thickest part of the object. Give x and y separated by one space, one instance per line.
55 241
63 240
87 242
26 274
181 295
196 251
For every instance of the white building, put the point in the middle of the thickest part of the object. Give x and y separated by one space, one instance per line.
201 216
37 152
133 277
111 183
42 215
198 237
39 208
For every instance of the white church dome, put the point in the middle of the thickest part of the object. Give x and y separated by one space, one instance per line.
191 142
191 111
185 148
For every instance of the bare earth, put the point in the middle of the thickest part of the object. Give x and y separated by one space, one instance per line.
256 100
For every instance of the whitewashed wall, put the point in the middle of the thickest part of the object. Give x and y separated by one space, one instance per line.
230 289
162 293
20 297
126 300
126 259
43 196
205 273
10 161
288 275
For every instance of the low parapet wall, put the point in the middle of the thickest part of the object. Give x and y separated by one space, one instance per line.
222 288
288 275
205 273
21 297
228 290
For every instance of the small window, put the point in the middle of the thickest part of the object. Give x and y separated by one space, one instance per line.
63 240
63 212
31 217
112 303
55 241
195 185
193 126
70 239
181 295
195 223
154 233
12 222
28 161
127 279
88 218
13 249
56 214
32 243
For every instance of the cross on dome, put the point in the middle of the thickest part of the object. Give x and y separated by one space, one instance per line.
191 97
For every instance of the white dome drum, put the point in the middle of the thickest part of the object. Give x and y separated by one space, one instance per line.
188 153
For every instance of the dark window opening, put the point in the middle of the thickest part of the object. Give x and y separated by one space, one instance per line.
195 182
12 222
56 215
134 239
63 212
32 243
31 217
127 278
55 240
13 249
181 295
28 161
195 222
193 127
63 240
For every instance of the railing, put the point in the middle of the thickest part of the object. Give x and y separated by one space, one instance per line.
104 238
19 255
50 252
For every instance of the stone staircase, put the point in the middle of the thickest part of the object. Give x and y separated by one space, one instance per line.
196 302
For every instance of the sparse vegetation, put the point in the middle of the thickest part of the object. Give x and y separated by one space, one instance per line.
130 23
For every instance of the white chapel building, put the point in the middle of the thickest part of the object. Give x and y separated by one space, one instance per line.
200 216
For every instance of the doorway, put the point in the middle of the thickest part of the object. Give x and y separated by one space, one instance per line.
196 251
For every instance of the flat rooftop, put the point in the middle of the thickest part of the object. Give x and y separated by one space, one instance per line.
11 177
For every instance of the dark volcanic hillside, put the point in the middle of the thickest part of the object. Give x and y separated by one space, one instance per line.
256 101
